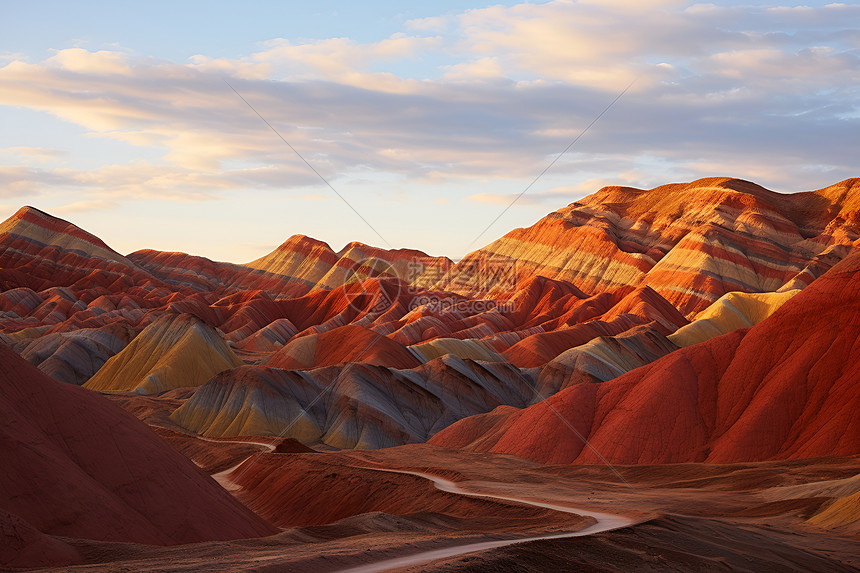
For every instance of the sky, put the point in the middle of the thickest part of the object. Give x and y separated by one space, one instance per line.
221 129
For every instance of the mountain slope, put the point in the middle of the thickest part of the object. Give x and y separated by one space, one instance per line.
691 242
349 343
76 465
38 250
351 406
307 261
172 352
785 388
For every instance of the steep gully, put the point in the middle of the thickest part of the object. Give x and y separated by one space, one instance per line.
603 521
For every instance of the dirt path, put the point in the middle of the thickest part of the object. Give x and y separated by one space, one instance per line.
223 477
603 522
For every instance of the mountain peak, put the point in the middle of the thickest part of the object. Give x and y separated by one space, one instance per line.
37 226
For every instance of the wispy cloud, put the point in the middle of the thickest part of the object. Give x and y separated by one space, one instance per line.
558 195
87 206
40 154
749 91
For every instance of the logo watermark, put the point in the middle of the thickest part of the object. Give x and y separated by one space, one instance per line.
437 304
479 284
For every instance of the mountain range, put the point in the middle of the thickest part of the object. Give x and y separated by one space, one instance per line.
709 322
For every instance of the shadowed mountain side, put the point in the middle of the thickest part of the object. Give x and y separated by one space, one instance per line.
24 546
351 406
76 465
690 242
74 357
173 352
785 388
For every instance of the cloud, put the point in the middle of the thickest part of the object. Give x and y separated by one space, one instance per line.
503 199
488 67
81 61
7 56
19 181
436 24
87 206
40 154
768 91
345 61
561 195
314 197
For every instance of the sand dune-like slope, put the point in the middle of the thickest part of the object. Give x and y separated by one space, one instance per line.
75 465
173 352
730 312
842 513
783 389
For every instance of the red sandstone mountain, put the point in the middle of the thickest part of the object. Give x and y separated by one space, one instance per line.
663 324
76 465
81 311
785 388
303 260
349 343
690 242
38 251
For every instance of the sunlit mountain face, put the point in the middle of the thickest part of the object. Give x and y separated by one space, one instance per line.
636 369
569 285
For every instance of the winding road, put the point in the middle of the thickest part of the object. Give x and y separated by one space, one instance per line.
221 477
604 522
